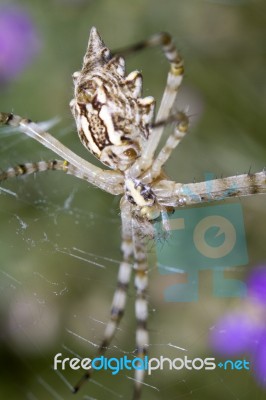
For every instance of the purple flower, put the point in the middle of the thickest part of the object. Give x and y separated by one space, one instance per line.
19 41
259 359
244 331
257 285
233 334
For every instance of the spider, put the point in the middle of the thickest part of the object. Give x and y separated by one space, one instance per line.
119 127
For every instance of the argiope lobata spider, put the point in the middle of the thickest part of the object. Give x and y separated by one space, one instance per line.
118 126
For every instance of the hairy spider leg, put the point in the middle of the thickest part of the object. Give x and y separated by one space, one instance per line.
141 304
172 194
110 181
120 295
174 79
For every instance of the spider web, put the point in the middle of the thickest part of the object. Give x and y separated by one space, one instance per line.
60 253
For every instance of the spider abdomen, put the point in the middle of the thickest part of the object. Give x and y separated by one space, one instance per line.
112 119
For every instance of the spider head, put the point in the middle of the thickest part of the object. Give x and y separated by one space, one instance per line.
142 197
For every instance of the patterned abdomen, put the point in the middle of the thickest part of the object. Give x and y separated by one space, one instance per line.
112 119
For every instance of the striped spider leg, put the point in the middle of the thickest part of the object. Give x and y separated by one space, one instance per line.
118 126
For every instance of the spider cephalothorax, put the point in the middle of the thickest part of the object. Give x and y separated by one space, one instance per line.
112 119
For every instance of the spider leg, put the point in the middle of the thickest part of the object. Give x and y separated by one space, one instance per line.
124 274
110 181
141 303
174 79
42 166
123 279
32 167
172 142
174 194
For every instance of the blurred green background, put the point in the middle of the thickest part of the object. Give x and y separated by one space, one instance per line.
59 238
